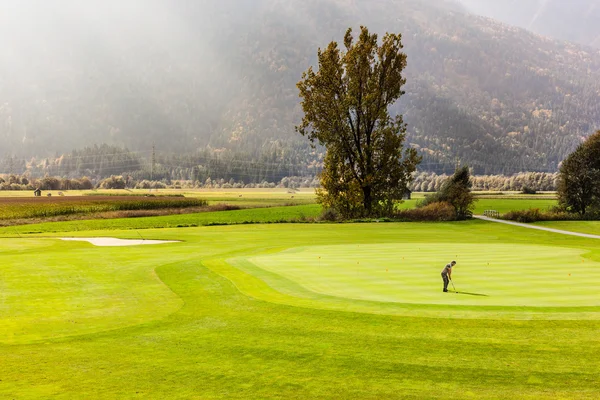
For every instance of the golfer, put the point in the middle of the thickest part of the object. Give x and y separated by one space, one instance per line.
447 274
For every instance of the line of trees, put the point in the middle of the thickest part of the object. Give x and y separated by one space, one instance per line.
24 182
427 182
423 182
522 182
235 168
272 164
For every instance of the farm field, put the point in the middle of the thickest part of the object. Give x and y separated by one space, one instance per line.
340 311
21 207
264 214
45 207
241 197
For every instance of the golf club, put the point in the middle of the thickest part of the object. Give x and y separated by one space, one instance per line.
452 282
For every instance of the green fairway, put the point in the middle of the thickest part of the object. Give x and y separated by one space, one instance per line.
493 274
301 311
64 289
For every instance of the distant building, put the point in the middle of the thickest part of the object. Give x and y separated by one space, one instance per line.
37 192
407 195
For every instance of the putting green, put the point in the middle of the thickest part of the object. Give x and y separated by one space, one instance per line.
513 275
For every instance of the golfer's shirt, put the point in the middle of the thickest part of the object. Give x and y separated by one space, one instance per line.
446 269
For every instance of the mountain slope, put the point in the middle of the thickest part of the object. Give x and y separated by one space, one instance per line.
185 75
572 20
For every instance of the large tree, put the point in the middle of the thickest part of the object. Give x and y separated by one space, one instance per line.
345 104
579 178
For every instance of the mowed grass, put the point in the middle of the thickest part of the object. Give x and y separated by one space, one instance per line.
504 205
265 329
61 289
490 275
589 227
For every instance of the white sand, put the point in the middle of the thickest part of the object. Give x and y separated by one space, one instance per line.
119 242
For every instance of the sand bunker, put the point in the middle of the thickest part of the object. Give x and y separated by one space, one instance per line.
119 242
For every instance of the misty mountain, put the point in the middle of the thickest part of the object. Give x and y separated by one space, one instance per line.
192 75
573 20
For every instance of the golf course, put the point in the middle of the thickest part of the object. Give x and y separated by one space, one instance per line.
297 310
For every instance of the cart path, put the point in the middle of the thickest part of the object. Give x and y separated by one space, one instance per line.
541 228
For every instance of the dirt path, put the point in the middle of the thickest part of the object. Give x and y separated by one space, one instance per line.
541 228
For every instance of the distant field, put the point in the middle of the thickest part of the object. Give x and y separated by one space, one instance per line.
241 197
45 207
504 205
301 311
250 198
279 209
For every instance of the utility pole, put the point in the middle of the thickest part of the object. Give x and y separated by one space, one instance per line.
457 164
153 162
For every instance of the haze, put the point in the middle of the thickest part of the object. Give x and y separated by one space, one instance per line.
188 75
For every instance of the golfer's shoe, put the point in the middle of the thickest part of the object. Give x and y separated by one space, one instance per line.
445 290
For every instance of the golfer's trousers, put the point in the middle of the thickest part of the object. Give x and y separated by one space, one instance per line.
446 281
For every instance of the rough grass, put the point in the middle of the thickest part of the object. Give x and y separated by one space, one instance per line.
237 331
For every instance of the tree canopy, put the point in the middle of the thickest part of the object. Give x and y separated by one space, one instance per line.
345 106
579 178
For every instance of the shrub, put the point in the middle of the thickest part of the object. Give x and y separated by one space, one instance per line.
86 183
528 190
525 216
329 214
50 183
535 215
436 212
114 182
224 207
456 191
145 184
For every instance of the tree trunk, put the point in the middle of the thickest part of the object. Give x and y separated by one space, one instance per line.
367 200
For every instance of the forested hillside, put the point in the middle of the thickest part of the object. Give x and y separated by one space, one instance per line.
572 20
207 78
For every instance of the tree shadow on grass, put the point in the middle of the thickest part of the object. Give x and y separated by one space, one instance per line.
469 294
